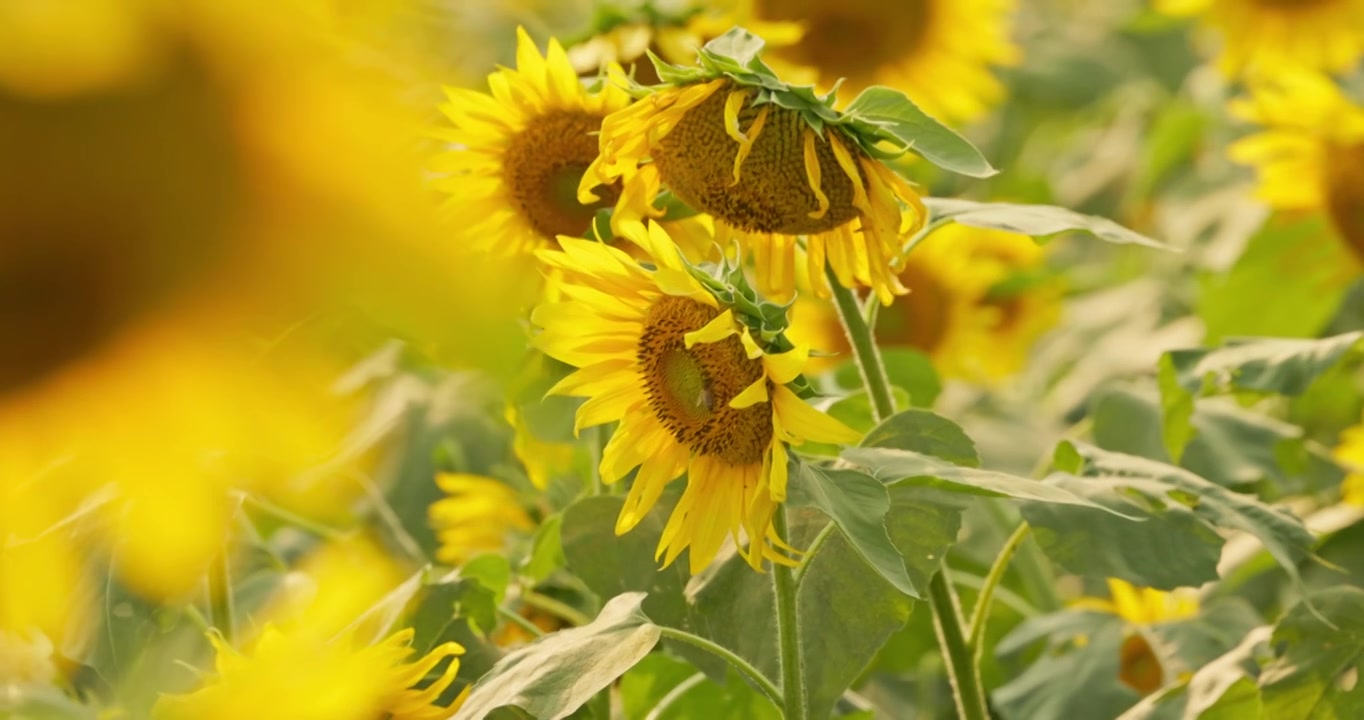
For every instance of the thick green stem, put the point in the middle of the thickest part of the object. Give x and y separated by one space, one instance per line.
220 611
962 670
767 687
864 350
981 612
788 632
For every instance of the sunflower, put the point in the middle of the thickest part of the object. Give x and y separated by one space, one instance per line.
692 388
978 301
768 174
1267 35
1350 453
1310 154
475 516
939 52
1138 607
519 151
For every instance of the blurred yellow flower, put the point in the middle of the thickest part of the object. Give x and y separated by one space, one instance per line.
332 586
1350 453
1310 153
299 676
476 516
966 308
942 53
1140 668
1267 35
543 460
692 390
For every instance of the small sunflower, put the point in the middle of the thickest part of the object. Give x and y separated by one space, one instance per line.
1269 34
979 302
475 516
1138 607
518 153
939 52
1310 154
693 391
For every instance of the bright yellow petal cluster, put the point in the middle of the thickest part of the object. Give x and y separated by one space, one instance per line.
476 516
332 586
298 676
1266 36
941 53
1350 453
692 390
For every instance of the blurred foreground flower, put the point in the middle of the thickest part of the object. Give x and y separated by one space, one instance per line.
1141 670
475 516
1266 35
768 175
1310 153
978 301
693 390
939 52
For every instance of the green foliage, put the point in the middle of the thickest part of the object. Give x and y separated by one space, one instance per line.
1037 221
1316 673
858 505
885 114
691 695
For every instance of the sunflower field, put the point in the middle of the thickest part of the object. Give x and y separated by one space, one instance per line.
681 359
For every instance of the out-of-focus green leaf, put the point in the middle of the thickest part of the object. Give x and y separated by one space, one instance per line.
1070 682
1223 689
657 676
547 548
1033 220
1263 365
491 571
895 116
1322 656
1171 497
446 606
906 368
556 674
923 432
858 505
42 702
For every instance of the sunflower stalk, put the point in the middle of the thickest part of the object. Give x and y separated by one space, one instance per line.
788 632
962 669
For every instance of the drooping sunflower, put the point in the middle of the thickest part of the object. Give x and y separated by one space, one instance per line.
941 53
693 389
1266 35
980 299
1139 607
1310 154
772 163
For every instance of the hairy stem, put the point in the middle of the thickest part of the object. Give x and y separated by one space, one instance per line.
788 632
767 687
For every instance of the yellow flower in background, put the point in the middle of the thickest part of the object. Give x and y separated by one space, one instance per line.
978 301
942 53
1309 154
1350 453
517 154
1265 36
767 178
1140 668
298 676
333 586
692 390
542 460
476 516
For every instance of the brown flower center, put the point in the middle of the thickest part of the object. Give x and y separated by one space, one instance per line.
851 38
1139 667
773 195
1344 183
690 389
543 165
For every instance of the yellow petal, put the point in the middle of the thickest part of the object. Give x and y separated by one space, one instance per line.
784 367
751 395
806 423
812 175
714 331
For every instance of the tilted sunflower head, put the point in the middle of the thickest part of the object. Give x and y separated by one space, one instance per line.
700 377
775 166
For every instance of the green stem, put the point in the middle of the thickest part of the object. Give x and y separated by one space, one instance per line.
788 632
220 611
557 608
963 672
864 350
515 618
767 687
981 612
666 702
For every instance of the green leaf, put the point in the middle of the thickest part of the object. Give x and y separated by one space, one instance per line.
737 45
858 505
888 114
492 571
901 467
1071 681
556 674
1155 490
1033 220
1317 675
1263 365
547 549
924 432
447 605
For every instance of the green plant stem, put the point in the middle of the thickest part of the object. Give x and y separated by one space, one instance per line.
220 611
1039 584
557 608
515 618
981 612
962 670
767 687
864 350
788 632
666 702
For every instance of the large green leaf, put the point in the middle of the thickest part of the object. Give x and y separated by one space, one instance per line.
1178 501
1317 674
1263 365
924 432
1033 220
898 119
905 468
858 505
553 676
